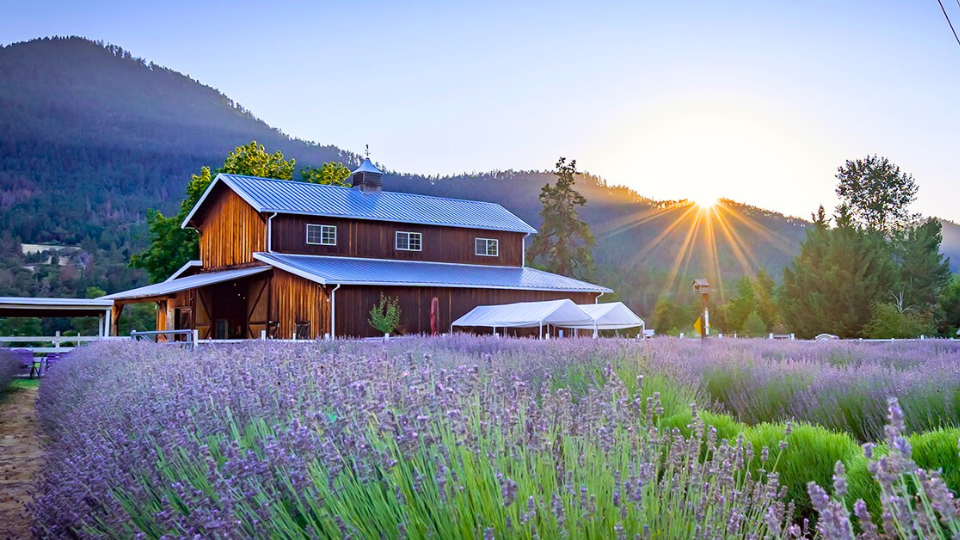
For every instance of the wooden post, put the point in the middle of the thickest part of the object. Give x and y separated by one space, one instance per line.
705 321
115 319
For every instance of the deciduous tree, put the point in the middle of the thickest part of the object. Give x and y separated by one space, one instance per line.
876 193
331 173
171 246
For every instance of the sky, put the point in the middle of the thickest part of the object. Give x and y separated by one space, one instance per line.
758 102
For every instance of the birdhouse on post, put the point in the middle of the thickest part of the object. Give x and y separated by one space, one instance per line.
702 287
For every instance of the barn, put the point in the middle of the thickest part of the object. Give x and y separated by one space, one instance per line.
292 259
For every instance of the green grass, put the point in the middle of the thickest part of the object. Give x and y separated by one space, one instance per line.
24 383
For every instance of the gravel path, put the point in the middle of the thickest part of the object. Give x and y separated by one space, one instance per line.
20 456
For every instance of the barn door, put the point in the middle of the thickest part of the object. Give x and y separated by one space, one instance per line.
202 316
257 312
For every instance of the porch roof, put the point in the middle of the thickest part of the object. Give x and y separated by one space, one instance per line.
174 286
13 306
382 272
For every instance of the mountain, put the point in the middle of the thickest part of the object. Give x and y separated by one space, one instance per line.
92 137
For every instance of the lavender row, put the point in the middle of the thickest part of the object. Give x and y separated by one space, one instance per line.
460 438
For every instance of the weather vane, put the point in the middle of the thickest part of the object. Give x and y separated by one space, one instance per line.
368 151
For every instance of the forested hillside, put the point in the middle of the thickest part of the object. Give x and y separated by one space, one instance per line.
92 137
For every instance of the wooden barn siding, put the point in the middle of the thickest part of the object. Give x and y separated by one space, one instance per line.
294 299
376 239
354 304
230 231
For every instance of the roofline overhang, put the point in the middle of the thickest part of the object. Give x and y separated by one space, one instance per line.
265 258
188 265
259 208
206 193
235 274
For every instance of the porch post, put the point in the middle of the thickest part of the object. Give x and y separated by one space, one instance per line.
115 318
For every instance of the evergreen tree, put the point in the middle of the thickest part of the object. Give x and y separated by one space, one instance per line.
835 281
170 245
564 241
754 326
767 306
742 305
923 271
950 304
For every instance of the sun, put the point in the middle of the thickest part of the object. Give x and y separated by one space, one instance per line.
706 201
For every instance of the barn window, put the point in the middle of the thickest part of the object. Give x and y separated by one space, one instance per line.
409 241
322 235
488 247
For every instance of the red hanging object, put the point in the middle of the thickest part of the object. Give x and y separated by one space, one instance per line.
434 316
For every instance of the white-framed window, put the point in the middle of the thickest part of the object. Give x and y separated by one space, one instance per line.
322 235
409 241
488 247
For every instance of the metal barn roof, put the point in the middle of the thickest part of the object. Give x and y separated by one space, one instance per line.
181 284
304 198
357 271
189 265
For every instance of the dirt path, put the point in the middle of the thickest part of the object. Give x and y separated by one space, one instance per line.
19 459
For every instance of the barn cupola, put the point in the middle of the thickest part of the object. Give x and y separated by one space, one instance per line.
367 176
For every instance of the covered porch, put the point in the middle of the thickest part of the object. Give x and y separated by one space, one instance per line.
55 307
230 304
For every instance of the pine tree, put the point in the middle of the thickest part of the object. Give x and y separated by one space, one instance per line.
754 326
564 241
835 281
923 270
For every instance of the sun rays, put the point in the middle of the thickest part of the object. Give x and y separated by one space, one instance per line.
713 231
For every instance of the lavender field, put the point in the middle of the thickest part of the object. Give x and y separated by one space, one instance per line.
485 438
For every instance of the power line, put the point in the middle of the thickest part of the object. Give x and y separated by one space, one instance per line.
944 10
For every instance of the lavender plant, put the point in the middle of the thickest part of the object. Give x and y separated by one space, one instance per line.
466 437
914 502
9 368
841 386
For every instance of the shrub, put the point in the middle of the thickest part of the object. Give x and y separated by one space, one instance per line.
385 316
810 454
727 428
934 450
911 502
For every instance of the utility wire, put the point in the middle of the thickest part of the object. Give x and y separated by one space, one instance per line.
944 10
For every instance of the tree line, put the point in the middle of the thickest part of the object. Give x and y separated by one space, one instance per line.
873 269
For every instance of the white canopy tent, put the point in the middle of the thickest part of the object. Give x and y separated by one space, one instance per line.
608 316
562 313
